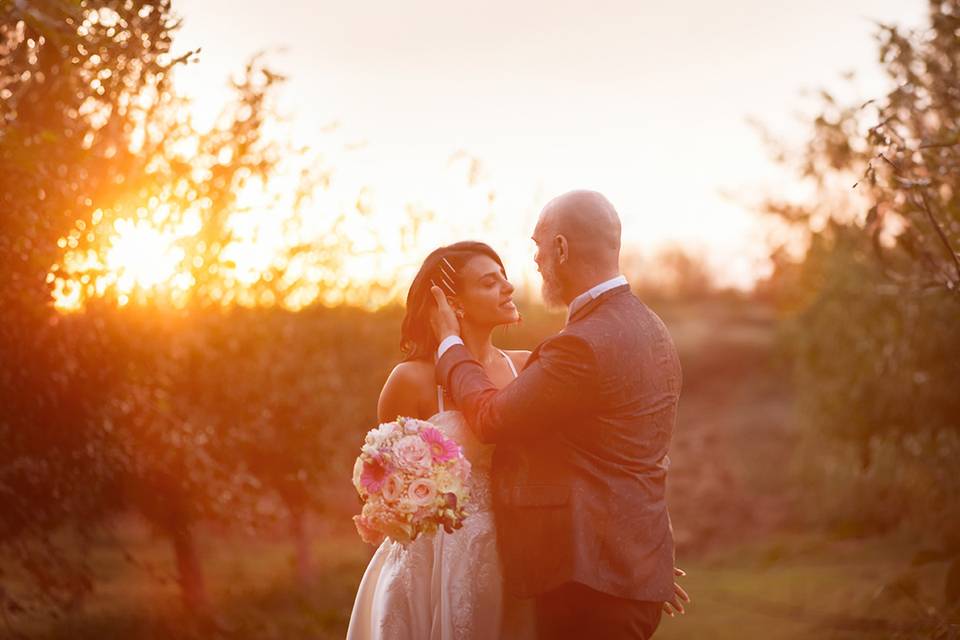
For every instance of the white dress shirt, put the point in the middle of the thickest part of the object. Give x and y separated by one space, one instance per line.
593 293
575 304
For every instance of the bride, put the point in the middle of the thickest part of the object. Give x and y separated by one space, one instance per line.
448 586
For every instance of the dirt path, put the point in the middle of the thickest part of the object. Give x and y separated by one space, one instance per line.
732 450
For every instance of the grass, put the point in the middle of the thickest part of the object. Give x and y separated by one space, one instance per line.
787 586
252 588
807 586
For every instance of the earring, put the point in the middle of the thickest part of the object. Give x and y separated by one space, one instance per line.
459 313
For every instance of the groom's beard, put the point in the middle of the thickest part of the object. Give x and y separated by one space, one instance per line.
550 289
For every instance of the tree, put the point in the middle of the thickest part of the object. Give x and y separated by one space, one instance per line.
874 298
71 79
672 273
881 283
96 409
902 154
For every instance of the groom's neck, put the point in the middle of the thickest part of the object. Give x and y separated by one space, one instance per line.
583 283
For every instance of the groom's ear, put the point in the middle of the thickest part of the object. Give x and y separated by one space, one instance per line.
562 248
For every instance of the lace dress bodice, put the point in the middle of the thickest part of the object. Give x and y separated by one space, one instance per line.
478 454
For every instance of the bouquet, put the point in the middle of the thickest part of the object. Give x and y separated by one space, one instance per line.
412 479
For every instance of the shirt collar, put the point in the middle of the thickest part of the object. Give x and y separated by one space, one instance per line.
594 293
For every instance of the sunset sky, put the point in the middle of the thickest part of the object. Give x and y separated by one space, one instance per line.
646 102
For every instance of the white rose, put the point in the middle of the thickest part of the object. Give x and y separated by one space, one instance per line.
422 492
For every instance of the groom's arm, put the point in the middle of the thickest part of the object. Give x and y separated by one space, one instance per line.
558 383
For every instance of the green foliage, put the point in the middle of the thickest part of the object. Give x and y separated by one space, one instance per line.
68 102
873 303
901 152
109 409
874 362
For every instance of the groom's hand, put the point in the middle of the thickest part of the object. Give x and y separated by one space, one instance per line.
442 318
675 606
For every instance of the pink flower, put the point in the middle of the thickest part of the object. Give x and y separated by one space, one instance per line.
442 448
374 474
413 451
392 488
367 533
422 492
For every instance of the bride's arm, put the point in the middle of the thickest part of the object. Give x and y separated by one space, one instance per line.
400 394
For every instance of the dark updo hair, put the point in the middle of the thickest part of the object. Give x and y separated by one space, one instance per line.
416 336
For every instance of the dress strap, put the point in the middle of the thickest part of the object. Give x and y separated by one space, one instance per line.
440 388
509 361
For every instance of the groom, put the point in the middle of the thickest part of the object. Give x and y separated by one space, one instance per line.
580 467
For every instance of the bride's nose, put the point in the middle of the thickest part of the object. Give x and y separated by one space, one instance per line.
507 286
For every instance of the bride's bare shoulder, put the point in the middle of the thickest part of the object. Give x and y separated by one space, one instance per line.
413 373
408 388
519 357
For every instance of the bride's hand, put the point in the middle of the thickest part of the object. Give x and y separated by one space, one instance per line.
442 318
674 606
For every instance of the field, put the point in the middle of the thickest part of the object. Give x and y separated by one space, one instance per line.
783 587
756 570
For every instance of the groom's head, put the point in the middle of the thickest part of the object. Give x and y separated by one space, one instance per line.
578 244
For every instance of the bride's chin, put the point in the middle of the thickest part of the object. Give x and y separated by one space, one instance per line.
512 317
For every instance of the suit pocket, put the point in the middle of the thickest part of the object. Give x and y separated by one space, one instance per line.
540 496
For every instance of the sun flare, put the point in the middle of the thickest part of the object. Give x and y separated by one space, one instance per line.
334 248
142 256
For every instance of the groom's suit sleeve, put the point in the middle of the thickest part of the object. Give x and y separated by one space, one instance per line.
557 383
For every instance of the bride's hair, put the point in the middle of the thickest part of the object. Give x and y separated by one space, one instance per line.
416 336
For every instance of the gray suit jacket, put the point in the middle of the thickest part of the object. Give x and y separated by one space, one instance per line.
580 468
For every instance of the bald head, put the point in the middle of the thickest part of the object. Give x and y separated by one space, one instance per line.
590 225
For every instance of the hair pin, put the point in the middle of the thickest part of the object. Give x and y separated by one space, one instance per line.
447 272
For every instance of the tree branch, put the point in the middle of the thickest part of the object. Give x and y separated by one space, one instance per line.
940 233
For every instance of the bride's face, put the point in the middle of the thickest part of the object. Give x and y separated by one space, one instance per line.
484 294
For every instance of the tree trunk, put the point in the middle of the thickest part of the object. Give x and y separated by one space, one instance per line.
189 571
301 542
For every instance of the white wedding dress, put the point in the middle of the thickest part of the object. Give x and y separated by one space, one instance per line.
448 586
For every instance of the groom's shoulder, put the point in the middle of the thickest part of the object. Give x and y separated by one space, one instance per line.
620 315
519 357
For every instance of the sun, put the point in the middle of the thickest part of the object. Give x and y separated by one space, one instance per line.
275 249
142 256
136 257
